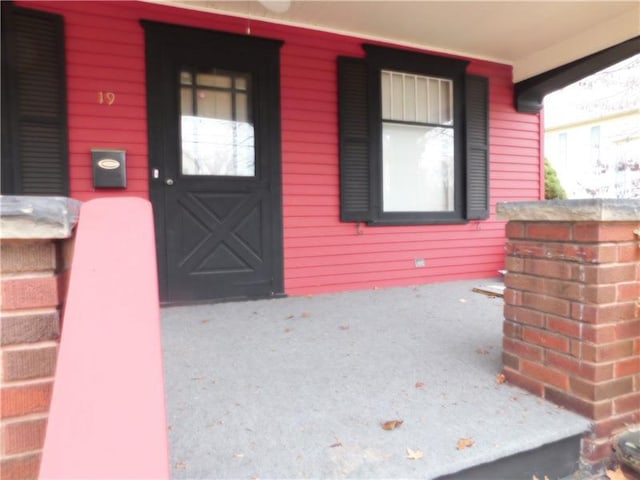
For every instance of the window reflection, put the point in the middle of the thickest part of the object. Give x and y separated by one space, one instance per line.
216 124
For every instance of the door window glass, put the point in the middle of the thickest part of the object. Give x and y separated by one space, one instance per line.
216 123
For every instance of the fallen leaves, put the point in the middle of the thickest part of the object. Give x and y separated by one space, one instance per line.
305 314
500 379
465 443
616 474
335 445
482 351
419 385
392 424
181 466
414 454
344 327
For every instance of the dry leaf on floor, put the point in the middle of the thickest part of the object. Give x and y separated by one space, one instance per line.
335 445
500 379
392 424
344 327
305 314
204 321
616 474
482 351
181 466
465 443
414 454
287 330
419 385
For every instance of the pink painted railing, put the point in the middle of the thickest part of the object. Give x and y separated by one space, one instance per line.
107 417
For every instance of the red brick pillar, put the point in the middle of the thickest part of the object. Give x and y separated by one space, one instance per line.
34 272
572 311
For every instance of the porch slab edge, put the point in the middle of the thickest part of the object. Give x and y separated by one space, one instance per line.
583 210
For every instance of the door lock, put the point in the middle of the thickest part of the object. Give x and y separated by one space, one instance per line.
169 181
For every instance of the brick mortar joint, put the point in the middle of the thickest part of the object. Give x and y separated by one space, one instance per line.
18 456
29 346
27 383
30 275
30 417
26 312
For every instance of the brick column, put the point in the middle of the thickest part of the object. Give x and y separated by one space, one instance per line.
572 311
35 252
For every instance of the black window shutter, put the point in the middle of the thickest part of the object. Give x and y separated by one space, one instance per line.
353 103
477 139
34 111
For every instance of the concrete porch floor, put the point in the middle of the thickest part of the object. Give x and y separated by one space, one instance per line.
298 387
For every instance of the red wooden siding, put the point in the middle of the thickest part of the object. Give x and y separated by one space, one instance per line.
105 52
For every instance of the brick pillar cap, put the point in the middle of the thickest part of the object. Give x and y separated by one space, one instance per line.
595 209
30 217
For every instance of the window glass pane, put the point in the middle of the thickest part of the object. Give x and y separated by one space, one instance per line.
217 147
186 101
434 101
421 100
418 168
241 83
213 80
396 97
185 78
242 107
446 115
409 98
218 134
214 104
385 92
415 98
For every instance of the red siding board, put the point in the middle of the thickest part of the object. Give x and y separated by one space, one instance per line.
105 53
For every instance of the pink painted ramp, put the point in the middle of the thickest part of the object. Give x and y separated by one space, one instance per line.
107 415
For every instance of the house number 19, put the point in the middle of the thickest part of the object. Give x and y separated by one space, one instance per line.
106 97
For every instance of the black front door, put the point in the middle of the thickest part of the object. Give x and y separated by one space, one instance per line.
214 158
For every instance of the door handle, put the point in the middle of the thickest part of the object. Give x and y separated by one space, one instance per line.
169 181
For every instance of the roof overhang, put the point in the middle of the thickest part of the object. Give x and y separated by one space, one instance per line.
549 44
529 94
533 36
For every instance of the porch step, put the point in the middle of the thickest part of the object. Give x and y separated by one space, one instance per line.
554 460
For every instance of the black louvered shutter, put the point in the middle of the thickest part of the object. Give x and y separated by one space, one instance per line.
477 168
34 143
354 140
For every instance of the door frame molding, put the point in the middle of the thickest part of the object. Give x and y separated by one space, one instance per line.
162 42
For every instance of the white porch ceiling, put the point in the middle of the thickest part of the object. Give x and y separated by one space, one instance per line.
533 36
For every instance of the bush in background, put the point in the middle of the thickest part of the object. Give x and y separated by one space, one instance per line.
552 187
